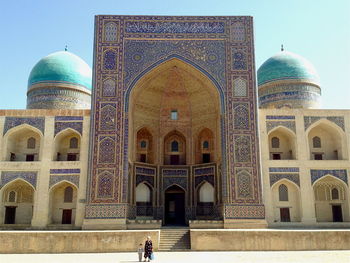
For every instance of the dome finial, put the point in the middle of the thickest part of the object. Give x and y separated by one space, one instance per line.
282 49
66 48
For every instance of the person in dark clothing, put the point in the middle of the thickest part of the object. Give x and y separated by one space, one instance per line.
148 249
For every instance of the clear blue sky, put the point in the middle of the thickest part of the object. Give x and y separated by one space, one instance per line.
319 30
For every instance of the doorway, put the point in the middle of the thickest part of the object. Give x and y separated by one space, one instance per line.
174 206
285 214
10 215
67 216
337 213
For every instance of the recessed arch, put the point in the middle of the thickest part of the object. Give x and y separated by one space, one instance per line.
20 210
62 145
330 208
332 139
183 61
61 210
16 144
286 147
289 209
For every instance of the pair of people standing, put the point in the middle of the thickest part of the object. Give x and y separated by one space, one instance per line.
148 249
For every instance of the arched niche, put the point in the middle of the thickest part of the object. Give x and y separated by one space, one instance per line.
174 95
63 203
144 146
174 148
143 199
286 201
331 197
205 201
23 144
325 141
67 146
205 152
17 199
282 144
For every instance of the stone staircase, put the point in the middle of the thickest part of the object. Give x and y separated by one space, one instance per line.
174 239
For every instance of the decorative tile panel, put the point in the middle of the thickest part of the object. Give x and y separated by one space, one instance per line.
9 176
241 116
174 172
273 124
338 120
105 211
169 181
284 169
239 87
291 177
37 122
340 174
244 211
54 179
242 148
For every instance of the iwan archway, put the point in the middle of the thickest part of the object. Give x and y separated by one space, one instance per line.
174 103
169 107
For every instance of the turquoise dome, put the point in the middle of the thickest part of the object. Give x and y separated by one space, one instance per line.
287 66
62 67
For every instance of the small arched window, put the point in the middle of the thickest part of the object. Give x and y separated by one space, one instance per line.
31 143
143 144
174 146
73 143
316 142
275 142
206 145
283 192
335 194
68 194
12 197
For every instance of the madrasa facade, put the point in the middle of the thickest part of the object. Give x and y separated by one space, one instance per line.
172 128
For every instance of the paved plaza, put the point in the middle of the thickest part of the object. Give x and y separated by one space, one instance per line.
193 257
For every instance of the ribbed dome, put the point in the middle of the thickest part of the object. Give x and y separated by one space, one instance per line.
61 67
287 66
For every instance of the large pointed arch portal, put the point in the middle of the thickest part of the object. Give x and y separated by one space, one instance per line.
174 77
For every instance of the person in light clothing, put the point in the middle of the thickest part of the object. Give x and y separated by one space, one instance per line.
140 250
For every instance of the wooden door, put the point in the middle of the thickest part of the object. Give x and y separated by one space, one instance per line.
337 213
67 216
285 215
10 215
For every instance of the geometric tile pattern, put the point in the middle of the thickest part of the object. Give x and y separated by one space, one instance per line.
338 120
244 184
241 116
238 31
340 174
284 169
37 122
54 179
108 88
239 87
8 176
64 123
111 31
105 211
245 211
273 124
292 177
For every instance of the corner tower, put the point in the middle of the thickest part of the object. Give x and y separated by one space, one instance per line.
288 80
